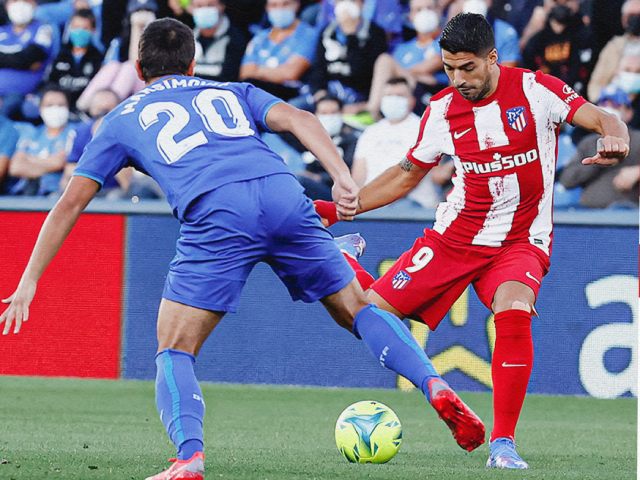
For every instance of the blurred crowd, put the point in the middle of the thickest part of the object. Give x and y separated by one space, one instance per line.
367 68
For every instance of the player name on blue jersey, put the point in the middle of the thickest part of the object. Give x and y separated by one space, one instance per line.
191 135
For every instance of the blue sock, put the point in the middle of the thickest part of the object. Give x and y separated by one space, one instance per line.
179 401
391 342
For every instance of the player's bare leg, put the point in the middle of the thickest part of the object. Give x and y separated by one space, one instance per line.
510 370
467 428
181 332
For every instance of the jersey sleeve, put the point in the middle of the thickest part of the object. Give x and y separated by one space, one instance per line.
306 46
103 157
563 101
426 152
260 102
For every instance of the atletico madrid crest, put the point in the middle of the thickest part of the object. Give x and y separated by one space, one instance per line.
400 280
516 118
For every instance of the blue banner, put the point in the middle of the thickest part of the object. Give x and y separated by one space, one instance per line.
585 337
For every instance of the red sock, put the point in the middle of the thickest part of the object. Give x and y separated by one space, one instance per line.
364 278
510 369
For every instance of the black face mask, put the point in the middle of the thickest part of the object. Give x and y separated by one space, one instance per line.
633 25
561 14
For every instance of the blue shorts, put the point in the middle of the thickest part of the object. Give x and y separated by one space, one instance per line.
226 232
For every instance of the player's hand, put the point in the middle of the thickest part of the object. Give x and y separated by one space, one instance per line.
610 150
345 195
18 310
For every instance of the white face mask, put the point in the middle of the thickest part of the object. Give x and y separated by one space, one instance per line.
347 8
426 21
394 107
55 116
475 6
628 81
332 123
20 13
614 111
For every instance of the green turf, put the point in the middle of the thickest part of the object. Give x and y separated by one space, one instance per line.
76 429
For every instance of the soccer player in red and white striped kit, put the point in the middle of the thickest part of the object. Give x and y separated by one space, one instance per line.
500 126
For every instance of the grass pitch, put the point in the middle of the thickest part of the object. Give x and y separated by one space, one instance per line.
80 429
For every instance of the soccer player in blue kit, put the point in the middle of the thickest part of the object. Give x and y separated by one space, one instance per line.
237 204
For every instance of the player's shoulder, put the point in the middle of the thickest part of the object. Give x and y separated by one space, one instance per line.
443 94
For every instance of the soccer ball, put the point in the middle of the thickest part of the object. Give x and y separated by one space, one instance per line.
368 432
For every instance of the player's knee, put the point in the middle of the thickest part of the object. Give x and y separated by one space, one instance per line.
512 305
519 305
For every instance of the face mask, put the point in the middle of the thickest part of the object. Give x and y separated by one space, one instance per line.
331 122
426 21
206 17
633 25
79 37
394 107
55 116
20 13
614 111
475 6
281 17
347 8
629 81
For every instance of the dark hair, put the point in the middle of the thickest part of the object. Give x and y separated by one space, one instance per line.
398 81
468 32
87 14
330 98
166 47
53 88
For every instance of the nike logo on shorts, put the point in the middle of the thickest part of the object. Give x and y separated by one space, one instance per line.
528 275
458 135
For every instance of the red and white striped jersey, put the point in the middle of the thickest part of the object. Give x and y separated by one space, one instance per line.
504 148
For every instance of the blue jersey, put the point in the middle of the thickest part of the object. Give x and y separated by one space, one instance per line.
411 53
191 135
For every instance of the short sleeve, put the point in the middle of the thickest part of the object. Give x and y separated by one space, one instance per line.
250 54
83 137
103 157
307 42
44 37
428 149
509 43
259 103
563 101
8 140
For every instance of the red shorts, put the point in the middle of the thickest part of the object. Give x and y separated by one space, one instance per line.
427 279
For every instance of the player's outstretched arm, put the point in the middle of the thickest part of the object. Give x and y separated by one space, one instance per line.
308 129
391 185
613 145
55 229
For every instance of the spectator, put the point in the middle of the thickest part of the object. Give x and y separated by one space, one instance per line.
418 60
347 51
628 79
606 186
78 60
26 49
219 44
387 14
119 73
103 102
42 152
277 59
538 19
315 180
609 59
563 48
386 142
8 140
506 37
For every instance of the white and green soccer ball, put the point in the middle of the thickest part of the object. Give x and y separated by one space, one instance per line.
368 432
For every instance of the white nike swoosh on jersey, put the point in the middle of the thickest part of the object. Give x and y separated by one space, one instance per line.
457 135
505 364
528 275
